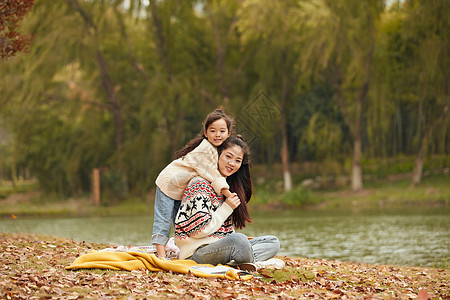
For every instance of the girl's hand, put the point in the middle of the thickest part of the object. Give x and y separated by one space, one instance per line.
233 201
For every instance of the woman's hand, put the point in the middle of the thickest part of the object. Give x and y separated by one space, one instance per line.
233 201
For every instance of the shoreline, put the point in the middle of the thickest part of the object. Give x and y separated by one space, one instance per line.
434 192
28 207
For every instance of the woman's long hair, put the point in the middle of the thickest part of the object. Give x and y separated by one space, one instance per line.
215 115
240 182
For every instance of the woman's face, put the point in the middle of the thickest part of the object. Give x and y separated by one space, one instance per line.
230 160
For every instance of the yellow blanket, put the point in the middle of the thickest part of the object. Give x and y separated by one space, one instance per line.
135 260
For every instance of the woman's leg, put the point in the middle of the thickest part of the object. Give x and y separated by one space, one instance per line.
234 246
162 222
265 247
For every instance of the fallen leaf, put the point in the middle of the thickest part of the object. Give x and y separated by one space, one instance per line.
423 295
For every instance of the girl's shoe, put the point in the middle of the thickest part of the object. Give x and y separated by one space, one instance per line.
273 262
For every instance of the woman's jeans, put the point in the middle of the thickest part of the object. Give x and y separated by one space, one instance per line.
236 247
165 212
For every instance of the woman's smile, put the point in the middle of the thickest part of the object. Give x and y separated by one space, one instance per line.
229 169
230 160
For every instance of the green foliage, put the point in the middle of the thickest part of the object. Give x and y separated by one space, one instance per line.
7 188
113 187
402 165
169 63
260 197
298 196
323 136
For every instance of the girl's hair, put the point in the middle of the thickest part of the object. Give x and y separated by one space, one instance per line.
215 115
240 182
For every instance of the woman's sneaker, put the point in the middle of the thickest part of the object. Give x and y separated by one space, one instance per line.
273 262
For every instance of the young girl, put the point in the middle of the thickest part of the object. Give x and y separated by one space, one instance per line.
198 158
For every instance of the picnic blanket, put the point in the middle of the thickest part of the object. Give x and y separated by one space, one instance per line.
138 260
172 250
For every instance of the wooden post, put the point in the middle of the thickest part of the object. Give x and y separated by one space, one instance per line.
96 186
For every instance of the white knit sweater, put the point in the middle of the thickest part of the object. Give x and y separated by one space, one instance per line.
202 161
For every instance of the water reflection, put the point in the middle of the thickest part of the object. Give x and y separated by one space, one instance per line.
406 238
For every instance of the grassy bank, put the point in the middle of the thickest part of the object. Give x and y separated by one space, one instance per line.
33 266
72 207
389 192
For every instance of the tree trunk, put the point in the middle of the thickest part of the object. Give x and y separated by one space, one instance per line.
354 123
420 159
357 183
284 137
285 155
113 101
13 173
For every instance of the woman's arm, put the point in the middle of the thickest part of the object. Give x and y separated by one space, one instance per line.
201 213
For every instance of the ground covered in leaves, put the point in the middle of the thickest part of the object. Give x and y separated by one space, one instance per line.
33 267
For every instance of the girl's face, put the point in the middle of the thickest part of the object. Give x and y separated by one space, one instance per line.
217 132
230 160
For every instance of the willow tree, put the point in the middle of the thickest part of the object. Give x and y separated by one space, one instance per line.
176 32
164 66
342 38
275 27
110 88
35 106
11 43
231 57
426 31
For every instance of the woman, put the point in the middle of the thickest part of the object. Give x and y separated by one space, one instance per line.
205 222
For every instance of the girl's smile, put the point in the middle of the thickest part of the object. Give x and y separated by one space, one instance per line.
217 132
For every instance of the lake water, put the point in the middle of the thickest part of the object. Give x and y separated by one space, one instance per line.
412 238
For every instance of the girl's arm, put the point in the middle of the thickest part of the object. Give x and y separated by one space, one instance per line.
203 160
226 193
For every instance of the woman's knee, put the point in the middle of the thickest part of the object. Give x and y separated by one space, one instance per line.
267 240
240 239
242 248
275 242
265 247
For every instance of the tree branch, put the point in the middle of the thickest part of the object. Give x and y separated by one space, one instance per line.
139 68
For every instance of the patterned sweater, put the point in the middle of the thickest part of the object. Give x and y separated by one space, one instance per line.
203 217
202 161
